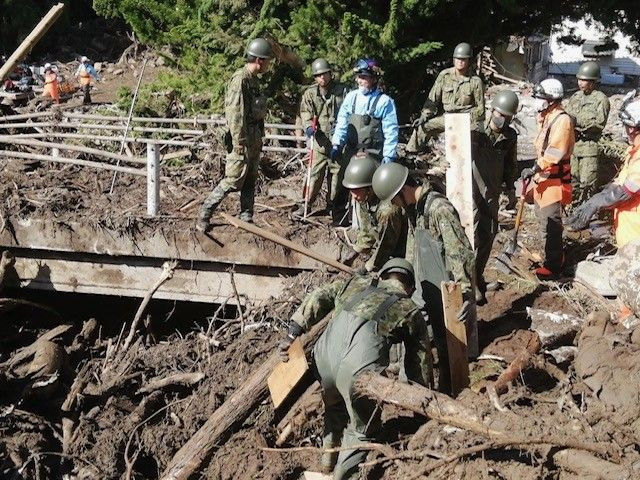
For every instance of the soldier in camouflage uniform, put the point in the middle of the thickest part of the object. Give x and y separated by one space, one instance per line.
590 109
245 109
456 90
318 110
494 153
369 316
439 250
382 226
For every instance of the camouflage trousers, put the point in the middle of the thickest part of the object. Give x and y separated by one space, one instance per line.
485 228
334 170
423 133
585 177
240 173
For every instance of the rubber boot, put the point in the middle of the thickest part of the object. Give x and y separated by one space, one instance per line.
208 207
247 199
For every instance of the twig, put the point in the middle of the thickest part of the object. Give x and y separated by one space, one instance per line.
168 268
235 293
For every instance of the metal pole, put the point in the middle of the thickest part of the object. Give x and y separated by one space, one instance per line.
126 129
153 179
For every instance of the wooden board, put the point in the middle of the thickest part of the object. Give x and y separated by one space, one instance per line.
456 336
457 140
317 476
285 376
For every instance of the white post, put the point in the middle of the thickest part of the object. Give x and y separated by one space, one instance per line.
153 179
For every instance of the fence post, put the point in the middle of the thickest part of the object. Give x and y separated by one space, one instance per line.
153 179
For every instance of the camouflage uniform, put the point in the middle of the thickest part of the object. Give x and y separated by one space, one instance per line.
439 249
625 275
590 113
494 164
245 109
324 106
382 230
369 317
451 93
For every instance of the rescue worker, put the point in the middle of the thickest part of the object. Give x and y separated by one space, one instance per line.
551 174
245 108
623 194
590 109
318 111
85 71
439 250
494 154
382 226
369 316
456 90
51 89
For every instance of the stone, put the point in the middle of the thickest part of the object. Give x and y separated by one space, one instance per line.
596 273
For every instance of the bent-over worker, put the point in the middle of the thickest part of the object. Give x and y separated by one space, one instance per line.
369 316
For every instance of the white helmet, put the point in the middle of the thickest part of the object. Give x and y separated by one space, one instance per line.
630 110
549 89
83 59
47 65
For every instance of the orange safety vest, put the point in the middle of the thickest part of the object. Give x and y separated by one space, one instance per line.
554 146
626 217
51 86
85 77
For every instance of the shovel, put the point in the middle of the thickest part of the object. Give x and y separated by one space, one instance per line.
504 261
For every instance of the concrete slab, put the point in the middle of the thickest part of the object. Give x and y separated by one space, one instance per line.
596 273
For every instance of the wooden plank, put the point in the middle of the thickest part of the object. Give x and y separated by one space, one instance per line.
28 43
457 139
456 336
286 375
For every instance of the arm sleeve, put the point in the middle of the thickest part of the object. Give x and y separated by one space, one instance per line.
602 113
318 304
457 249
390 129
367 237
306 110
435 94
92 71
417 361
478 94
340 133
561 140
390 223
234 111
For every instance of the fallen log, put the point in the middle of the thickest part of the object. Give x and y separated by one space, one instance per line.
520 363
177 379
446 410
588 466
235 409
27 352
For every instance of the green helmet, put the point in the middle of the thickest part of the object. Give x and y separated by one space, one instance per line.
397 265
388 180
320 66
589 71
359 172
260 48
462 50
505 102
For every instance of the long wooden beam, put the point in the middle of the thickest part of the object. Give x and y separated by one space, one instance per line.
73 161
34 37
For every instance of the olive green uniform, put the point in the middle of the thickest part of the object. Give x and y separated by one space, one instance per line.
382 231
439 250
324 105
451 93
369 317
590 113
494 164
245 109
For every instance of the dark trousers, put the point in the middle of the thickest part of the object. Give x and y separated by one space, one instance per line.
87 94
550 219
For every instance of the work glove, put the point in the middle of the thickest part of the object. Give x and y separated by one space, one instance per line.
309 132
465 314
335 151
294 332
387 160
580 217
610 196
528 173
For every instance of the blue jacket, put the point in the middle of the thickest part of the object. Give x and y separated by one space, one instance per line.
386 110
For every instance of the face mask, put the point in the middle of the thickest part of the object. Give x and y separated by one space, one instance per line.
364 90
499 122
540 104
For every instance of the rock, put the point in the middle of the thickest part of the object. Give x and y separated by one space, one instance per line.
118 71
160 61
554 329
596 273
98 66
